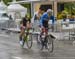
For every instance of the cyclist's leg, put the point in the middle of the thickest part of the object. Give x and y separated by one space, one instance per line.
45 40
21 33
42 42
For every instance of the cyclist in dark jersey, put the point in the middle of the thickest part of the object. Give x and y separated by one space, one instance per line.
25 23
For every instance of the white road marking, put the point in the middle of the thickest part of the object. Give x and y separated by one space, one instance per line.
17 57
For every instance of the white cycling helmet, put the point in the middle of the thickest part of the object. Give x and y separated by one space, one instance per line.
49 10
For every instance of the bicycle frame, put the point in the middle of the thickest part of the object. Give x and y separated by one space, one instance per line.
26 35
44 32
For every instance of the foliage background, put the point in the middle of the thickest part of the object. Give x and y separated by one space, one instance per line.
69 8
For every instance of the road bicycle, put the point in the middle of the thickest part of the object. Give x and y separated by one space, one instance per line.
27 38
47 41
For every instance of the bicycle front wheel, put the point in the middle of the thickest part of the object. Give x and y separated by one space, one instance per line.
50 44
29 40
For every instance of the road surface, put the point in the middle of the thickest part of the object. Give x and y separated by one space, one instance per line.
10 49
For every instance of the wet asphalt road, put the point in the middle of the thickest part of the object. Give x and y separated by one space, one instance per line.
10 49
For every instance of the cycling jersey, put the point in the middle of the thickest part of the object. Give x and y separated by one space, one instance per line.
45 18
25 21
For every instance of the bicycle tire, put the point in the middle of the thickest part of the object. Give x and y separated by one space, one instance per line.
40 44
50 44
38 39
29 41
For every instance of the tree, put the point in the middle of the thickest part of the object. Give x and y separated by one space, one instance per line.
6 1
70 7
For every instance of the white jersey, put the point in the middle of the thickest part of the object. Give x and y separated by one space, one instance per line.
33 18
36 22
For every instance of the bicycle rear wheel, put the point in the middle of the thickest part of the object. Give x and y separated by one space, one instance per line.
29 41
50 44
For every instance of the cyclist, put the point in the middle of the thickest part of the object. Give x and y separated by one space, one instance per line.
25 23
44 23
36 18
